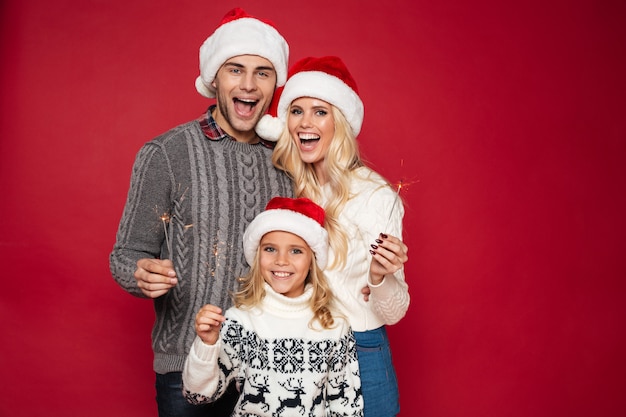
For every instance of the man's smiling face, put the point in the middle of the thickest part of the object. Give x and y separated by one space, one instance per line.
244 88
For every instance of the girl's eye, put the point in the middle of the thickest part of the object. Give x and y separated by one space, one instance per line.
269 249
296 251
322 112
296 111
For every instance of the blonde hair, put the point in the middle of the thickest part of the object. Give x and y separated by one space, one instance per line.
252 291
342 159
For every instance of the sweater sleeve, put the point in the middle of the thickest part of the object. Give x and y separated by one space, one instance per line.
201 377
385 213
344 386
140 233
209 369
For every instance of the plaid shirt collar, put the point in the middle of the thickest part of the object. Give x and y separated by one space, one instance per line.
212 131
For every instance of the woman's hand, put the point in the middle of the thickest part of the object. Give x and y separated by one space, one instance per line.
388 256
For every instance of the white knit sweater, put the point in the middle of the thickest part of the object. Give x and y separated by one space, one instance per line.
369 212
281 365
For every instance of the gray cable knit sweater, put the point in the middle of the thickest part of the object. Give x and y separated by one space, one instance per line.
205 192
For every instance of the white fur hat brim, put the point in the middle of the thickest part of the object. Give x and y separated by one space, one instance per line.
288 221
243 36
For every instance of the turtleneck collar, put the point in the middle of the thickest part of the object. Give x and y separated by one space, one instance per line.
279 304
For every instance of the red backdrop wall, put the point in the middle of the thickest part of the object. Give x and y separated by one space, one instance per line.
506 120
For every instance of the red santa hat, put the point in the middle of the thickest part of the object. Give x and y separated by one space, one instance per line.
241 34
299 216
326 78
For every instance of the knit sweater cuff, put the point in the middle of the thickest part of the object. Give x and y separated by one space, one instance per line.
369 283
390 298
387 287
204 352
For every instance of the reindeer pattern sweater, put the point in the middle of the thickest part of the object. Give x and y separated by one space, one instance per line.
282 366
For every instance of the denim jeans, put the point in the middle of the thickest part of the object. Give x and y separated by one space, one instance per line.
172 403
378 377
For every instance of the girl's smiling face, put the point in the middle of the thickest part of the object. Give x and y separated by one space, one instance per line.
285 260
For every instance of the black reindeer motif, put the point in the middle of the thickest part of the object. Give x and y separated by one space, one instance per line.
359 392
319 399
341 385
295 402
225 370
257 398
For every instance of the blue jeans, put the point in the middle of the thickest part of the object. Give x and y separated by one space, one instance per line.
172 403
378 377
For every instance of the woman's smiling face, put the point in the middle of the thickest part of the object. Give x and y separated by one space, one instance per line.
312 126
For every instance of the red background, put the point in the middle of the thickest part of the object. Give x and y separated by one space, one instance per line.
507 120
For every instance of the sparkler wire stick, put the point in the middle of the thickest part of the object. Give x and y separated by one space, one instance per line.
165 219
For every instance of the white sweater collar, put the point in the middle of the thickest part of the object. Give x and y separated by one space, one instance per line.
279 304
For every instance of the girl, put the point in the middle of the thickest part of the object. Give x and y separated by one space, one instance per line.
318 115
281 342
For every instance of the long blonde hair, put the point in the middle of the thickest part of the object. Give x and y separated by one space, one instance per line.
252 291
342 158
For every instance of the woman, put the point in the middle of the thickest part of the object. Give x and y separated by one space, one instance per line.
318 115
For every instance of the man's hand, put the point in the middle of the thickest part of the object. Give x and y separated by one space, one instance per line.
155 277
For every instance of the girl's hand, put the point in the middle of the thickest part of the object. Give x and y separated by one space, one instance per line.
208 322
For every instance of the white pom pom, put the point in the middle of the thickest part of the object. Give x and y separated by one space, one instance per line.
269 128
203 89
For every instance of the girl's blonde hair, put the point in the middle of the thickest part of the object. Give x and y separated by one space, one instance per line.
342 159
252 291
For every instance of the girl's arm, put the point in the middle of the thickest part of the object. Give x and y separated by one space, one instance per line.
209 369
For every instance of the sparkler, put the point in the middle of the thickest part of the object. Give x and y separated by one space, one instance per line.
220 250
165 219
393 206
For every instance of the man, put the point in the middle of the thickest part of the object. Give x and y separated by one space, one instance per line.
193 192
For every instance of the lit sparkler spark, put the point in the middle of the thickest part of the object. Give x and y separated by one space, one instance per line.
216 254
